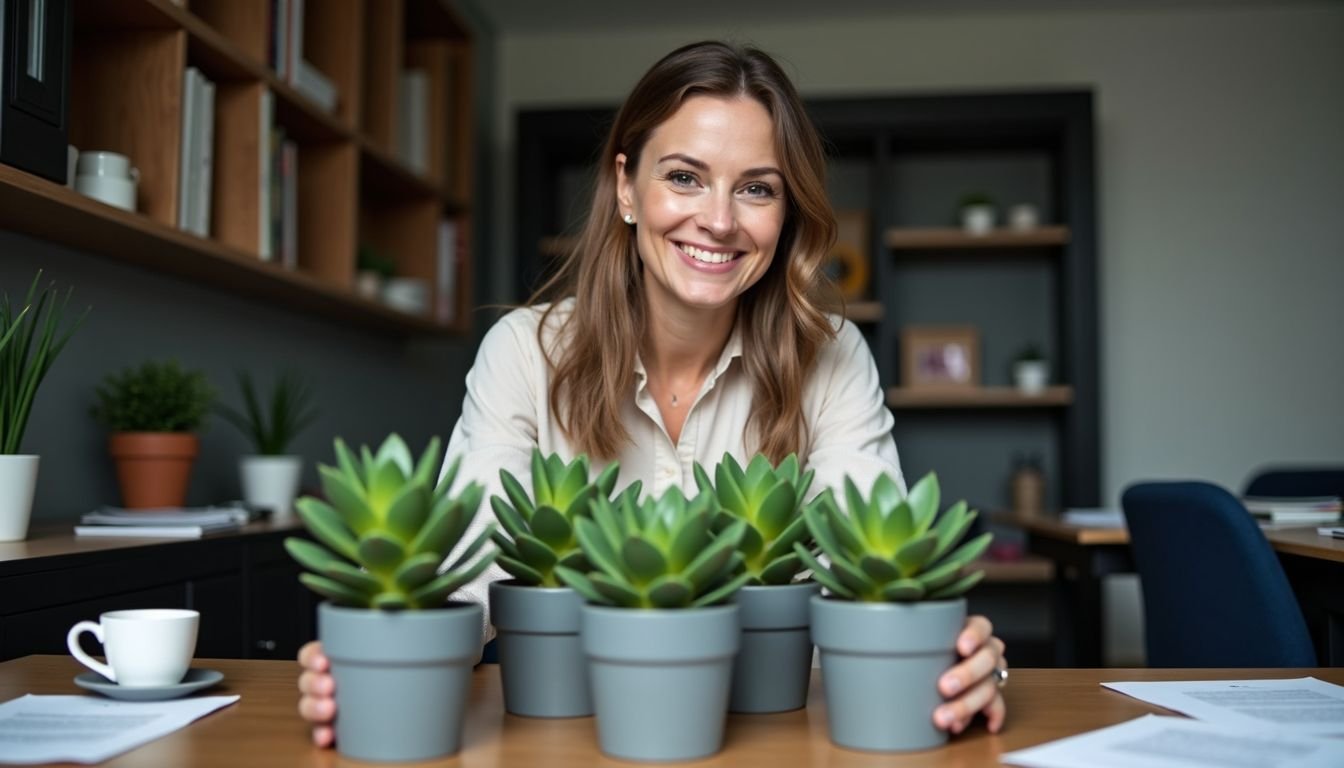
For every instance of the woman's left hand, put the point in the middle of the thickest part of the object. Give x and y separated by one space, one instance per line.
972 686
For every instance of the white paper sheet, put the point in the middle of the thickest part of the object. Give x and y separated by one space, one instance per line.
1299 705
1176 742
90 729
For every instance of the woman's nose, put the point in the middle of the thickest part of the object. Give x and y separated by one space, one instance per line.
717 216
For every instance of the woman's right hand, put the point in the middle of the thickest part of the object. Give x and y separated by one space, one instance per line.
316 691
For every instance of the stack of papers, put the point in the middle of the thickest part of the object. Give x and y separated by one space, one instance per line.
162 523
1095 518
1269 723
89 729
1304 510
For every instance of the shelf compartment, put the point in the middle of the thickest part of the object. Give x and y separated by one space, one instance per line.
383 46
125 97
951 238
328 211
245 24
977 397
42 209
332 42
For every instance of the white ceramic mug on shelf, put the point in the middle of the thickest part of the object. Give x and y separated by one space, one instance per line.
145 647
108 177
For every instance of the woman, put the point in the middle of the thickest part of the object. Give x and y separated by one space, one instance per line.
686 324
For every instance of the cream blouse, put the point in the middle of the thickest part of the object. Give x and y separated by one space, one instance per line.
507 412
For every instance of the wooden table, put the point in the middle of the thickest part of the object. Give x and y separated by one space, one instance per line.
1313 563
263 728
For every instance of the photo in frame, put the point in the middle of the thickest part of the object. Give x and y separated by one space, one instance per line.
849 264
940 356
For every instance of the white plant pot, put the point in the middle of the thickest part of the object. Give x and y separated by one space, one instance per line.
18 482
271 482
978 219
1031 376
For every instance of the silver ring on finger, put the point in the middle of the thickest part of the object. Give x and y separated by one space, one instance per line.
1000 676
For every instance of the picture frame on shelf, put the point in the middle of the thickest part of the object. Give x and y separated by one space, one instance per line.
940 356
849 263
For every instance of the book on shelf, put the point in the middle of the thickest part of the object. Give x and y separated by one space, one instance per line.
162 523
445 289
264 165
1314 509
413 119
155 531
205 154
187 165
289 205
309 81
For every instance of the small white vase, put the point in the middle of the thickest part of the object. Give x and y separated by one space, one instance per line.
977 219
1031 376
271 482
18 483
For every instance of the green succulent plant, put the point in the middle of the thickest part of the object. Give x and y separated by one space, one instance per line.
387 527
658 553
538 530
889 547
769 500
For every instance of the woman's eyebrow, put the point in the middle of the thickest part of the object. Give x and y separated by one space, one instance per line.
703 166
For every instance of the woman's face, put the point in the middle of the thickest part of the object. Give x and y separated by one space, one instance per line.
708 199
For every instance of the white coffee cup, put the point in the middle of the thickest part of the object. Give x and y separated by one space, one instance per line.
145 647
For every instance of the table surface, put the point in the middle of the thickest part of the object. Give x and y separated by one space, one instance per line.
263 727
1303 541
59 539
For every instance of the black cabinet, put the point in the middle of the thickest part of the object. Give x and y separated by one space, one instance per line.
245 586
35 85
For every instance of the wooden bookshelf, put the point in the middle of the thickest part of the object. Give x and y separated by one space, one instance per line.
977 397
910 239
127 77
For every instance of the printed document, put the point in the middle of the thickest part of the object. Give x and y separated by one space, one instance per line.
1176 742
90 729
1301 705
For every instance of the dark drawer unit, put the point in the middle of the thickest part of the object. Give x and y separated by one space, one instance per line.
244 584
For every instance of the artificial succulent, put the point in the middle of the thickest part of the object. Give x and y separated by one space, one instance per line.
769 500
538 530
388 527
658 553
889 548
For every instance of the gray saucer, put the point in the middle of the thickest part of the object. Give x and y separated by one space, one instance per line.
195 680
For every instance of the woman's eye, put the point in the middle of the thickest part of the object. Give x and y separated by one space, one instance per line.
758 189
681 178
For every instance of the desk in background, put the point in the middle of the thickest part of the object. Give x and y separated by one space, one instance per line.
263 729
1313 563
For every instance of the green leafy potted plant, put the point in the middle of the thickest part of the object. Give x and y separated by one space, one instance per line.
774 664
1031 373
977 213
888 627
270 477
30 340
400 654
658 629
540 660
153 412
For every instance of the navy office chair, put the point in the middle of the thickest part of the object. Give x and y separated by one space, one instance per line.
1289 481
1214 594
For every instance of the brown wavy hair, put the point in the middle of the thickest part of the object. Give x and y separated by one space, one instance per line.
782 323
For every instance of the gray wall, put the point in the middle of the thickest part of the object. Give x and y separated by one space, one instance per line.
367 384
1220 158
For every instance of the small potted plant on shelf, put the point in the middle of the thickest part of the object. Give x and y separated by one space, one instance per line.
540 660
372 271
29 343
270 477
153 412
774 664
658 629
1031 373
887 629
977 213
400 654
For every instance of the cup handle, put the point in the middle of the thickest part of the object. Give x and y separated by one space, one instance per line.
72 642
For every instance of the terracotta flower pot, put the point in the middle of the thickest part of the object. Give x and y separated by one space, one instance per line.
153 468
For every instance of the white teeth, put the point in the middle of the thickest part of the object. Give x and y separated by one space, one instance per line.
709 257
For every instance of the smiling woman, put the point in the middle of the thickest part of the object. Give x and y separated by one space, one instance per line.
686 324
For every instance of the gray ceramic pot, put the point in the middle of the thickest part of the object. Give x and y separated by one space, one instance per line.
540 659
660 679
402 678
880 664
774 665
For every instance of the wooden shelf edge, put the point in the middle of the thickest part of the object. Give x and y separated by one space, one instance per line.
951 238
34 206
391 170
977 397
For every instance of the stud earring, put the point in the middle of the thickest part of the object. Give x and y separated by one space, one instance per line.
629 218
